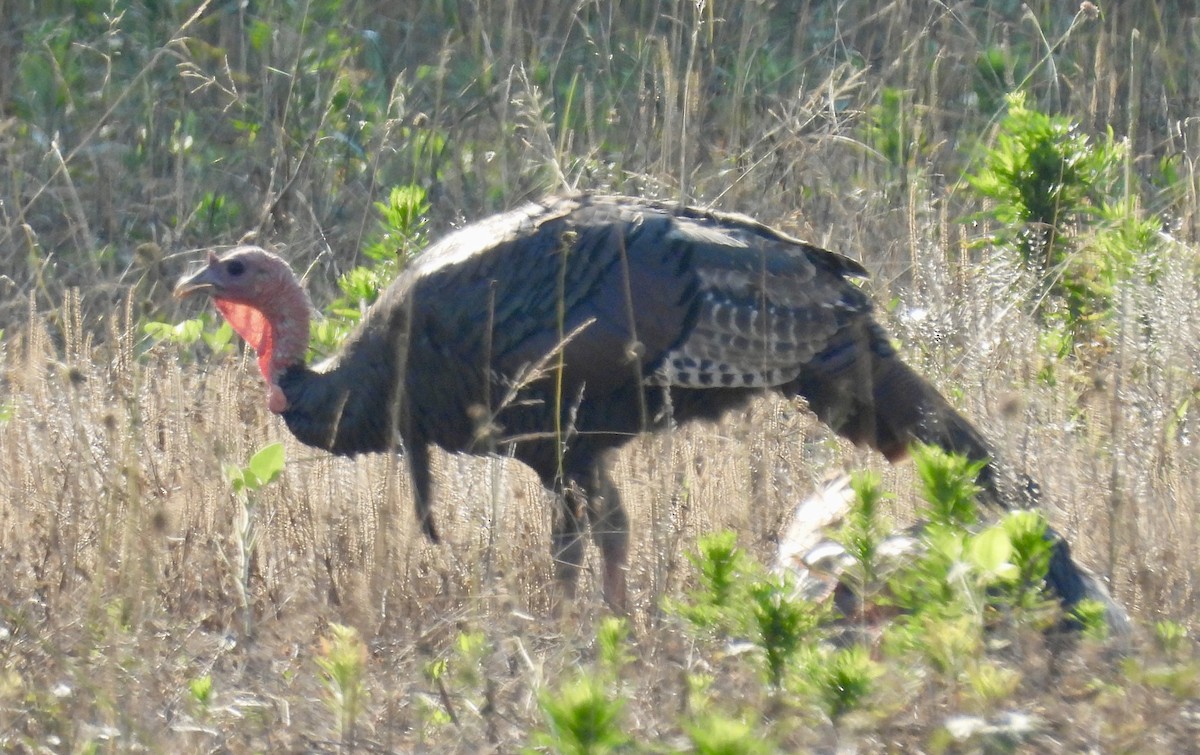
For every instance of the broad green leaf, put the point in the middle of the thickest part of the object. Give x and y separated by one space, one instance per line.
991 551
266 464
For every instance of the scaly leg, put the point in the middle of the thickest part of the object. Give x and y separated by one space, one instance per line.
592 491
567 539
610 531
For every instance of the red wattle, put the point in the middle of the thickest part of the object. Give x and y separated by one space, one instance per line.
254 327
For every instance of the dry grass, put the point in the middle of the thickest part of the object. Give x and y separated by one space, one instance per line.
117 538
116 518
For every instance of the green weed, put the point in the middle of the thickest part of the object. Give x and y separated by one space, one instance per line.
1067 205
342 659
717 734
400 234
781 626
263 468
864 531
582 718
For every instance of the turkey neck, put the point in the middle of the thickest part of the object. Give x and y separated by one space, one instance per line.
348 405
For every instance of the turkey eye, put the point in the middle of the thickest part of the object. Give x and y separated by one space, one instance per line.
236 267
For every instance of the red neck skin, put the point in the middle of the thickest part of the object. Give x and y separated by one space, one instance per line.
278 332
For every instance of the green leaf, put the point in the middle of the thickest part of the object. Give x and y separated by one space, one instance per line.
236 476
219 339
201 689
186 332
991 551
159 331
266 465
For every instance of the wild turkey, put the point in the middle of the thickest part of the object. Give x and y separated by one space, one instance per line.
562 329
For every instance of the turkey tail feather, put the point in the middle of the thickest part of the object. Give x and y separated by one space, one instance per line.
881 402
908 409
860 388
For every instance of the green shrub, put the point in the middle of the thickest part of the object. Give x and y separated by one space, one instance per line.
722 568
1043 175
892 129
399 235
717 734
948 486
343 664
582 718
864 531
782 626
844 679
1066 204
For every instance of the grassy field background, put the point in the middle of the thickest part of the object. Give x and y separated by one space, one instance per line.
133 136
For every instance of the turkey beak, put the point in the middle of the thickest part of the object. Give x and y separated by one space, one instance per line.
205 280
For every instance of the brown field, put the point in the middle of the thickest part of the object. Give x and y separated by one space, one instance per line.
117 521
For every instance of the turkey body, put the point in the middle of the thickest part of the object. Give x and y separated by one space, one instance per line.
573 324
561 330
